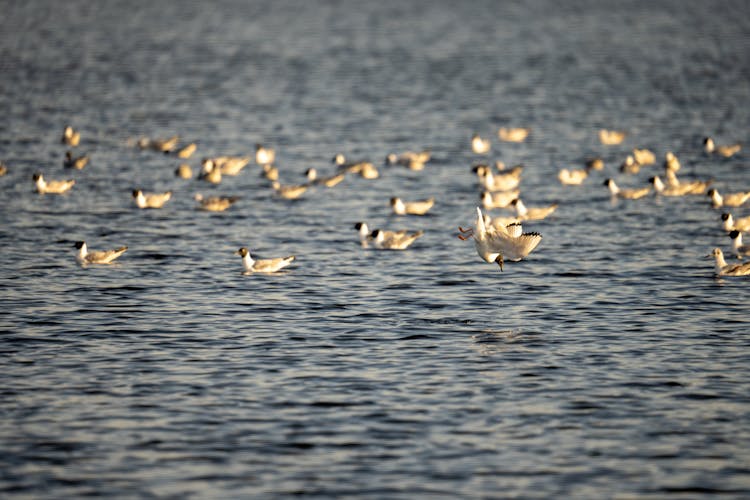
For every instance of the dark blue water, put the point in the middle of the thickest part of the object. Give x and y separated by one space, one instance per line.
610 363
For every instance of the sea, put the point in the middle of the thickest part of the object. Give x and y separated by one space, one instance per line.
610 363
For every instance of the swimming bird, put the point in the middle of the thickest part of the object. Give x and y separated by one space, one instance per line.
394 240
572 177
697 187
644 156
187 151
500 199
630 166
364 233
502 181
730 223
409 159
595 164
724 269
725 150
628 194
364 168
184 171
77 163
513 134
96 256
689 187
479 145
728 200
160 145
70 136
671 162
739 249
533 213
611 137
210 172
151 200
262 265
500 243
228 165
419 207
52 187
215 203
330 181
270 172
290 191
264 155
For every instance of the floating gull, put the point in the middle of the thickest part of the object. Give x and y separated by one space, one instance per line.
96 257
52 187
262 265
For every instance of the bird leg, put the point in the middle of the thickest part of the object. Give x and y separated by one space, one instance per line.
465 233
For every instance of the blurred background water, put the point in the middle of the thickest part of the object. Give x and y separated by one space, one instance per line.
610 363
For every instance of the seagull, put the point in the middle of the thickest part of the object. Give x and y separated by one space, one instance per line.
630 166
409 159
501 199
690 187
263 155
739 249
595 164
70 136
420 207
184 171
726 151
364 233
229 165
263 265
514 134
728 200
270 172
77 163
52 187
644 157
364 168
187 151
680 189
724 269
394 240
741 224
628 194
290 192
210 172
96 256
151 200
480 146
671 163
161 145
611 137
533 213
502 181
572 177
215 203
496 245
330 181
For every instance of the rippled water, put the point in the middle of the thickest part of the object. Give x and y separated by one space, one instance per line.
610 363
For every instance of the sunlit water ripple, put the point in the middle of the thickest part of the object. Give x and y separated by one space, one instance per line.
610 363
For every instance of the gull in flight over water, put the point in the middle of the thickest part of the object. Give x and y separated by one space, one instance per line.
500 243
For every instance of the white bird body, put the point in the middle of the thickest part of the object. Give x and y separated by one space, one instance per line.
501 243
680 189
724 269
263 155
262 265
228 165
187 151
738 248
611 137
730 223
504 181
151 200
686 187
85 256
500 199
513 134
671 163
52 187
409 159
628 194
364 168
725 150
533 213
419 207
728 200
364 233
215 203
644 156
479 145
289 192
70 136
394 240
572 177
330 181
